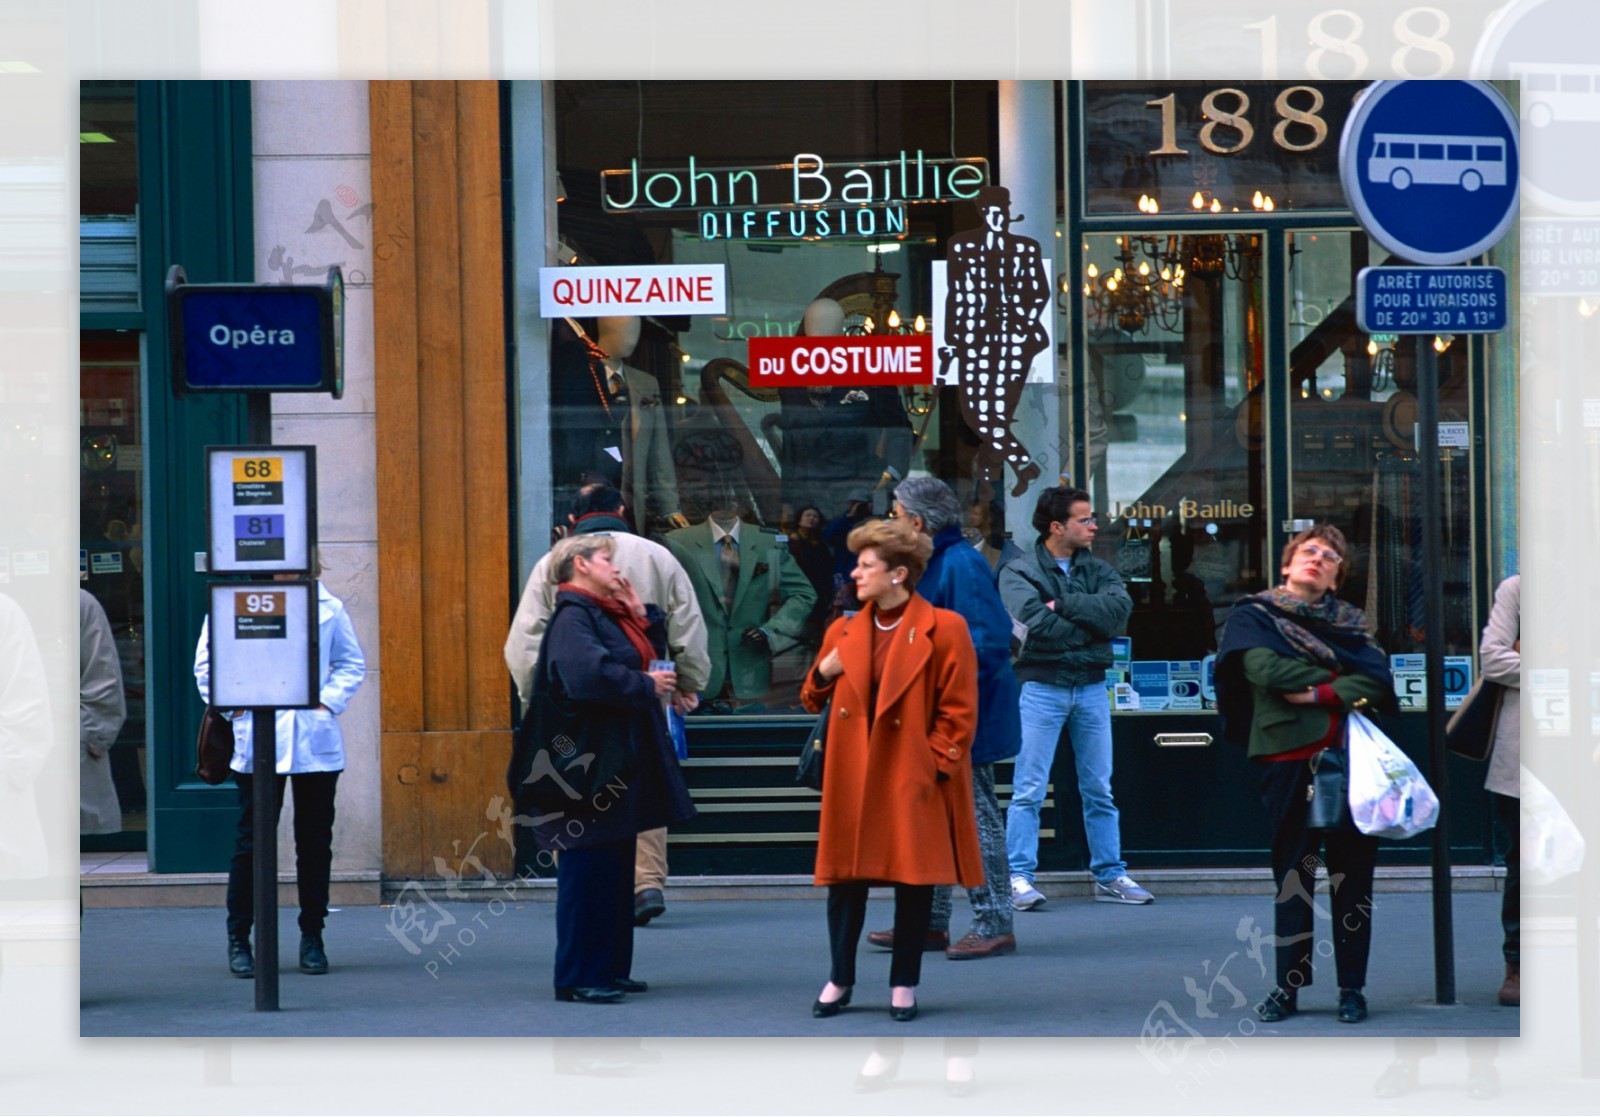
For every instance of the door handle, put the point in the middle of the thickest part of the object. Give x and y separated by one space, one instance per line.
1182 740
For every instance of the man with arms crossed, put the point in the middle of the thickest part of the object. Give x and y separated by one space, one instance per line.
1072 604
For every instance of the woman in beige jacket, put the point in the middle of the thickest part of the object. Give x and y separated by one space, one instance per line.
1500 660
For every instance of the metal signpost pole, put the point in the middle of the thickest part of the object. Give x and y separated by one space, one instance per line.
1430 170
1444 953
264 812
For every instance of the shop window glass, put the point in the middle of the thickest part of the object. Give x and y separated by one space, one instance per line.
664 408
1353 457
1174 384
111 535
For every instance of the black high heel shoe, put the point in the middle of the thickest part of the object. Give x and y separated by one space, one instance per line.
831 1008
903 1015
591 995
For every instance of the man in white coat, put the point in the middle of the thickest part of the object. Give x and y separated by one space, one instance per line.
310 756
101 711
660 580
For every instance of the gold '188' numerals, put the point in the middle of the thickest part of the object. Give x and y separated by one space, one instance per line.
1228 131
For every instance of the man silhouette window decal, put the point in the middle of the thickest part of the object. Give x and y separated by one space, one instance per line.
997 295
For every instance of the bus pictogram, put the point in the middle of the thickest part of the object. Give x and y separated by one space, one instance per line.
1405 158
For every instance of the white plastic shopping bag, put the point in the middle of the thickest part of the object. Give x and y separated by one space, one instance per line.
1552 846
1388 796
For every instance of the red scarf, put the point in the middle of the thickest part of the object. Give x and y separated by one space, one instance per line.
632 627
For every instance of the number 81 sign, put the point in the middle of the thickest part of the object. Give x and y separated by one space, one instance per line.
261 505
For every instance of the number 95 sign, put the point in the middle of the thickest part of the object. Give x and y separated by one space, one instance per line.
263 645
261 502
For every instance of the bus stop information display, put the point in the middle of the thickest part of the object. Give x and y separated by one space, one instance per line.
264 651
262 509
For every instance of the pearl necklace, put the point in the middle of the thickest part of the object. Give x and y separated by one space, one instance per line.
888 627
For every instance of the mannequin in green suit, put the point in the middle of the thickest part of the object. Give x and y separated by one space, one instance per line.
771 600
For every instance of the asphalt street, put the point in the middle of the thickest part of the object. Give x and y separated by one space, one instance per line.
1181 968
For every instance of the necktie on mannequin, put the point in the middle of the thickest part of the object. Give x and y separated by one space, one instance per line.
730 570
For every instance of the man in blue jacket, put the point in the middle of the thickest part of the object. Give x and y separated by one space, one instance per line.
1072 604
958 578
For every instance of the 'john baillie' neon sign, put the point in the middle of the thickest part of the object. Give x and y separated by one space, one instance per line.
808 199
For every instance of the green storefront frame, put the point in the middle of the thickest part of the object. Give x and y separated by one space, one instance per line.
195 209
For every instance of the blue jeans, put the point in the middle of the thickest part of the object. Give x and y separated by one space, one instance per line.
1086 712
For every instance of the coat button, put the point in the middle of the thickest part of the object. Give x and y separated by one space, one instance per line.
954 753
843 712
897 723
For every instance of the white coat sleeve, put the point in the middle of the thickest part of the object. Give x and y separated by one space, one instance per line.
346 665
202 662
101 706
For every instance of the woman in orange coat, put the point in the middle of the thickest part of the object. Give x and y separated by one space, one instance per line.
897 785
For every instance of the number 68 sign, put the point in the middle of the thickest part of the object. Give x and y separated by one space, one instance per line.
261 503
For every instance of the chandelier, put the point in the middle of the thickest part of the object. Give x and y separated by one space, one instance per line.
1147 284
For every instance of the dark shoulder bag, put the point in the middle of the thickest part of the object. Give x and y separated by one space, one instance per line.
213 747
808 773
1470 730
1329 790
549 770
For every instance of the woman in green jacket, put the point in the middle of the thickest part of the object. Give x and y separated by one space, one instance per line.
1294 661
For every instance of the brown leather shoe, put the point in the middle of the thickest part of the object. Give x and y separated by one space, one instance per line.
936 941
1511 989
974 945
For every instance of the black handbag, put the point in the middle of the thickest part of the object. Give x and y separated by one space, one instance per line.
808 773
213 747
1328 791
549 771
1470 730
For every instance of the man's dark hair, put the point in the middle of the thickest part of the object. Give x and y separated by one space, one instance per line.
596 498
1055 505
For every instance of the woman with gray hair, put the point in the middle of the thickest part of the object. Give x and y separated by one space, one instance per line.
598 672
958 579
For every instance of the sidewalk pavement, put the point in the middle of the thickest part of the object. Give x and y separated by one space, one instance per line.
1178 969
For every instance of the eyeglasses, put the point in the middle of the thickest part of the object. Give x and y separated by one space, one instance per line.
1332 558
1085 521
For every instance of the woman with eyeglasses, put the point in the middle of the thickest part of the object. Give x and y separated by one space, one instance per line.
1294 661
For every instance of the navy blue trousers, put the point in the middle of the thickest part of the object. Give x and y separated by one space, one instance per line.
594 915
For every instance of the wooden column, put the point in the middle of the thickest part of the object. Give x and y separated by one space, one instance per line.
443 474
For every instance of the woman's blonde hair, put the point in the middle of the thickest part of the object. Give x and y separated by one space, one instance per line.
897 544
571 547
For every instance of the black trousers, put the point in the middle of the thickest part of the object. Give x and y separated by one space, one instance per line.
1508 809
313 850
1350 856
594 915
847 915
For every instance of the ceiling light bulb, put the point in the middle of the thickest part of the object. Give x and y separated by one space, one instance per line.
1091 271
920 324
1198 202
894 319
1266 203
1216 205
1372 348
1144 268
1256 199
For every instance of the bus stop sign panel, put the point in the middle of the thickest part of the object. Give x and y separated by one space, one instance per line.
1430 168
256 337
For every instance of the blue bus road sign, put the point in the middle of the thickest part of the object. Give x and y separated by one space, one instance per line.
1431 300
1430 168
230 337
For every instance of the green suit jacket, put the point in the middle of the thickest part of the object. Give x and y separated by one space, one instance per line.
773 593
1280 726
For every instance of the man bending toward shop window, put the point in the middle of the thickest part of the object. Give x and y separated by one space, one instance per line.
660 580
1072 604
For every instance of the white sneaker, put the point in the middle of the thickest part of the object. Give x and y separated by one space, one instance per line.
1024 896
1123 890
